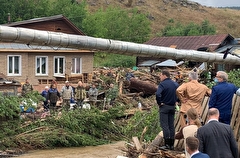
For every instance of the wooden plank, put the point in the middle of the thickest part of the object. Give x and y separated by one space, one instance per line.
137 144
204 109
235 121
236 101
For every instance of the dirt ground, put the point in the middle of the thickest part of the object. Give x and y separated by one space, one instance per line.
103 151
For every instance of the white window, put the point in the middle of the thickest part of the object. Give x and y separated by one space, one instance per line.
14 65
41 65
59 66
76 65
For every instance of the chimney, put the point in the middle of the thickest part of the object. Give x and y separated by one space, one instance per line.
9 18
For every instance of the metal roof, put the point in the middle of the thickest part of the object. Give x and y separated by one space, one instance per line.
19 46
212 42
170 63
149 63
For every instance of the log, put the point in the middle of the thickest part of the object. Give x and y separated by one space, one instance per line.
155 143
142 86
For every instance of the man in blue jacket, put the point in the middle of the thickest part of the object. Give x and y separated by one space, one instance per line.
221 96
166 98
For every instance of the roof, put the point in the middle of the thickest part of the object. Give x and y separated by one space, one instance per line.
44 19
19 46
211 42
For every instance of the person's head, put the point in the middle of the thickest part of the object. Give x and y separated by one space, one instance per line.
93 85
193 117
221 76
46 88
192 144
53 86
80 83
164 74
67 83
111 85
193 76
26 81
213 113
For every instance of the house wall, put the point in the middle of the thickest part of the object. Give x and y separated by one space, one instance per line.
55 26
28 65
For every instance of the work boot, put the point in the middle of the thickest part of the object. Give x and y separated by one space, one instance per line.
171 144
166 146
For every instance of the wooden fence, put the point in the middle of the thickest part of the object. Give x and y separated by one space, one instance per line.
235 121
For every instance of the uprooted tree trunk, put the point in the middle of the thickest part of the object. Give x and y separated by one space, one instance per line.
146 87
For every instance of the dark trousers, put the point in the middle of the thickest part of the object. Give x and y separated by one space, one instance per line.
80 103
166 115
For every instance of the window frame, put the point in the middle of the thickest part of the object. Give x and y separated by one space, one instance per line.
13 65
59 74
75 65
36 67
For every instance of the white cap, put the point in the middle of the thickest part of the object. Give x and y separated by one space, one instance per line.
238 92
46 87
66 81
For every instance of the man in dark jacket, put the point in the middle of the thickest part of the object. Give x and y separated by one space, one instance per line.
166 99
216 139
221 97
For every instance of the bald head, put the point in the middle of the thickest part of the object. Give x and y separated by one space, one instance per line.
213 113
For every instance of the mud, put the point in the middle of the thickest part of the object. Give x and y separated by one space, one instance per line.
103 151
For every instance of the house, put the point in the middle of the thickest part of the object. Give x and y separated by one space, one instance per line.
209 43
42 64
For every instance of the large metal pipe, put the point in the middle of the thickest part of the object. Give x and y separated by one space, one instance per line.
47 38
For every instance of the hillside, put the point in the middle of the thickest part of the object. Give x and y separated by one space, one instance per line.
161 11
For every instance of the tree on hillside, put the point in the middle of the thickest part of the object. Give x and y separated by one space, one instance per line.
190 29
73 10
118 24
23 9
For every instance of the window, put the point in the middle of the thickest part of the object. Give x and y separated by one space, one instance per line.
14 65
41 65
76 65
59 66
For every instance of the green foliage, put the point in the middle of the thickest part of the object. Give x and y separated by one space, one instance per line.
71 129
9 107
118 24
190 29
233 77
114 60
23 9
73 10
142 119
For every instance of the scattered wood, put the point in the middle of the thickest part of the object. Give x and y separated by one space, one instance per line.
137 144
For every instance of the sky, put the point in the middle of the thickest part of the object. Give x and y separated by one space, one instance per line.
219 3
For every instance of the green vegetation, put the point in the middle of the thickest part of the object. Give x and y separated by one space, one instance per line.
72 128
233 77
191 29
